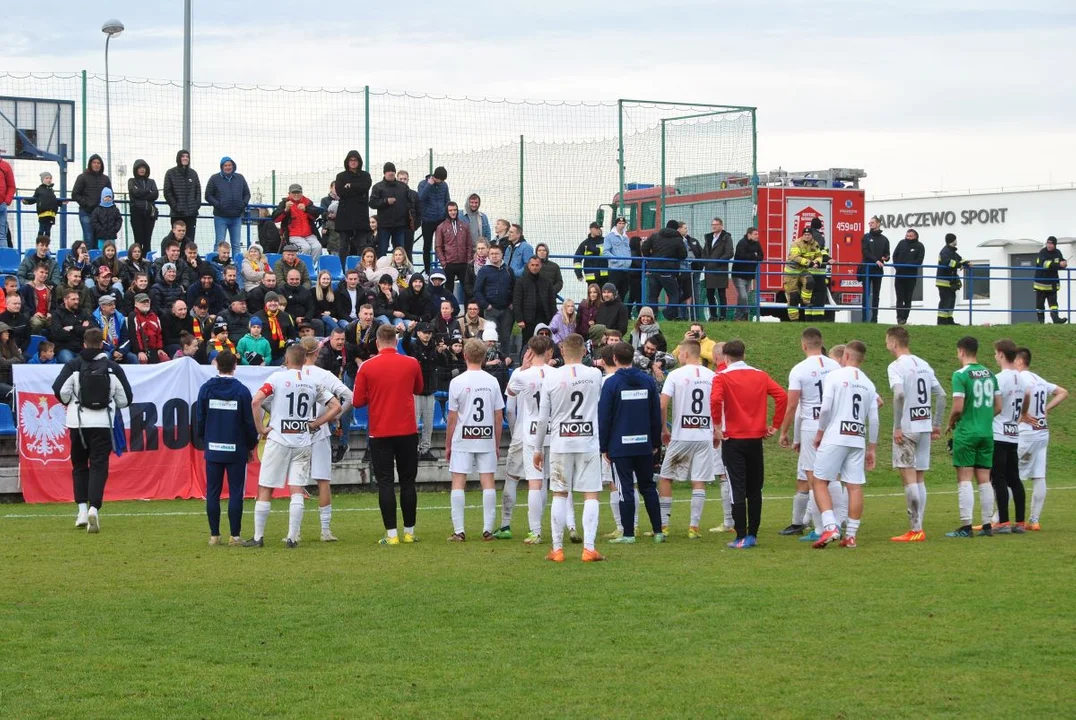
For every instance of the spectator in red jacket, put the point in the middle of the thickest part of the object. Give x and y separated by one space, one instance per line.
739 399
453 244
296 214
7 195
388 383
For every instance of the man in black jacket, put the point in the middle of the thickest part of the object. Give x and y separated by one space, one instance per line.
613 314
745 265
875 249
353 213
421 345
69 323
237 319
533 299
300 302
718 247
183 192
666 249
590 264
390 198
1047 264
256 297
907 266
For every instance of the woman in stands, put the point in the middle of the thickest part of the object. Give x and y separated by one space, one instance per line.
254 267
588 311
565 322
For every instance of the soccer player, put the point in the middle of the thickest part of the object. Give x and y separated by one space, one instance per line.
321 451
294 399
804 405
1040 397
524 387
918 407
846 441
475 415
513 466
976 400
568 409
690 446
1005 474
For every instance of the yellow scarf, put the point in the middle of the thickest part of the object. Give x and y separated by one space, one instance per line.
275 333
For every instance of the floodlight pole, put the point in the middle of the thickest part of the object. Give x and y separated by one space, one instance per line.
187 23
108 110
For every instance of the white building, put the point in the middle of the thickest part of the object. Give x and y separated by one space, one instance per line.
999 232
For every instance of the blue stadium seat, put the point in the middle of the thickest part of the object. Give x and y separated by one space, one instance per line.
61 256
352 261
440 415
94 254
7 421
121 255
360 419
271 258
31 348
309 264
151 256
332 264
9 261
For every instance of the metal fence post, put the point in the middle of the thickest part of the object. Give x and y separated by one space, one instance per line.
84 140
661 218
521 181
620 136
366 132
969 275
431 162
758 295
272 186
754 167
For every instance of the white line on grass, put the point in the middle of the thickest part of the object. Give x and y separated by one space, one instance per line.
31 516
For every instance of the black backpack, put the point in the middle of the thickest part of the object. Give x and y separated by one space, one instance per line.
94 384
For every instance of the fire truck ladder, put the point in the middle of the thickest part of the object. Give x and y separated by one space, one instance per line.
775 224
828 178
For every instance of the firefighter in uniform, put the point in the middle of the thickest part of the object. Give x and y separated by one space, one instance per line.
590 265
947 279
1046 282
819 276
804 256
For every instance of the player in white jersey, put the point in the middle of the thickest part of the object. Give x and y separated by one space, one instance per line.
475 416
321 450
918 409
294 399
804 405
1040 397
846 440
513 466
568 411
524 387
1005 474
689 446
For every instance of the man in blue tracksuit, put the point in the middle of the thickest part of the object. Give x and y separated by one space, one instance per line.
226 428
229 194
629 429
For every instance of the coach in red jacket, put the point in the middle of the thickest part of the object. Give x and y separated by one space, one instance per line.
739 396
388 383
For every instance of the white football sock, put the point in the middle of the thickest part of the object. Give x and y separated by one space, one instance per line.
812 509
295 515
614 505
986 503
557 510
391 533
489 509
261 517
839 498
83 508
965 495
911 501
799 507
852 528
569 512
409 530
726 500
922 502
638 504
666 510
456 500
535 500
698 501
591 508
1038 498
508 500
325 514
829 520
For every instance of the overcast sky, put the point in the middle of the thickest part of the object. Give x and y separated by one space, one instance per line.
922 95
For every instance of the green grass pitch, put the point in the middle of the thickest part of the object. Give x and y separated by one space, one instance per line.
146 620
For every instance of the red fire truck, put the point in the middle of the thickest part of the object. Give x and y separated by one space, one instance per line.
787 202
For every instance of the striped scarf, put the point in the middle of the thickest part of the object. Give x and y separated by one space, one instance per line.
275 333
220 347
196 329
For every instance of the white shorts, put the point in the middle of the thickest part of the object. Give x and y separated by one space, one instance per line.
580 472
514 461
719 462
807 454
529 471
914 452
321 460
689 460
1031 458
464 462
284 465
840 462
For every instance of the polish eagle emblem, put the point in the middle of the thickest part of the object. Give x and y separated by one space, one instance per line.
43 429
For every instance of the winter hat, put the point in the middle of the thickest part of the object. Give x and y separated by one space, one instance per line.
389 167
106 197
207 272
816 223
255 321
4 327
596 226
646 310
423 327
609 287
386 278
440 173
950 238
295 187
220 325
490 333
673 225
168 266
44 175
1051 239
272 297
